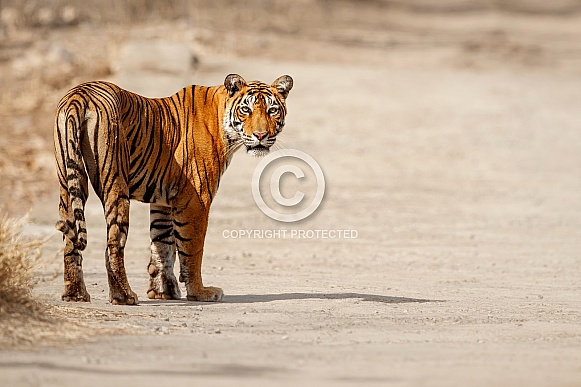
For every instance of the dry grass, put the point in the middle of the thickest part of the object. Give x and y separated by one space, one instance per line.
18 257
24 321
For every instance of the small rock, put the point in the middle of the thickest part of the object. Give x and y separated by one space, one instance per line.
199 307
162 330
217 330
285 337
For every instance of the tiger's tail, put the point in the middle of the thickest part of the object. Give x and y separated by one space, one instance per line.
68 132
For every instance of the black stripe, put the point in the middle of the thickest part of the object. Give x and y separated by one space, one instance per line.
164 235
179 237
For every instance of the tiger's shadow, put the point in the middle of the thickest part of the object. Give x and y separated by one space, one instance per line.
261 298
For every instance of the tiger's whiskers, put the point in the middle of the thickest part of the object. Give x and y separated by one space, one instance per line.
233 147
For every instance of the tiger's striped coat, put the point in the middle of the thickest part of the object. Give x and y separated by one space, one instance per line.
170 152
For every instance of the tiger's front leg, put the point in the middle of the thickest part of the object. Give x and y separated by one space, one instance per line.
190 225
162 281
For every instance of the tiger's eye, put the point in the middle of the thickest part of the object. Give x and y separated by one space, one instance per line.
273 110
245 110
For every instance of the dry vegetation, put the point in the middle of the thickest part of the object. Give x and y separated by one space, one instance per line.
17 260
25 321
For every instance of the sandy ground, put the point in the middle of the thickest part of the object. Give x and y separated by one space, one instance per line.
463 188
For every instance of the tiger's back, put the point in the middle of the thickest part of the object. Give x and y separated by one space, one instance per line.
150 140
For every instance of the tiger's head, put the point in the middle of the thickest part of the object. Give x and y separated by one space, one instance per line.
255 112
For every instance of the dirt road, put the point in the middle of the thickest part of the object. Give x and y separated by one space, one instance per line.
463 189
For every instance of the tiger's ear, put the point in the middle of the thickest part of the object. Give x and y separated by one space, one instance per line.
283 85
234 83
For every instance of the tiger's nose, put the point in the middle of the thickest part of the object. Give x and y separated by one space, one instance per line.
260 135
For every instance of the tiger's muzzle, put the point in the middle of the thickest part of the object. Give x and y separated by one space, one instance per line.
259 144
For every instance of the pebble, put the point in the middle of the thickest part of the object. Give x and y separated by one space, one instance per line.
217 330
163 330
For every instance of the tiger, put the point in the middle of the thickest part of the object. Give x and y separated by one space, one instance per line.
169 152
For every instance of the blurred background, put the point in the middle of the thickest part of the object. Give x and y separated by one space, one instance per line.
46 47
449 133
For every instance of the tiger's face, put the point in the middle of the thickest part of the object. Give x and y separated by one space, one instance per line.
255 112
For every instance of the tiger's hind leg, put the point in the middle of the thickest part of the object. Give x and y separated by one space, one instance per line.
116 207
162 281
75 289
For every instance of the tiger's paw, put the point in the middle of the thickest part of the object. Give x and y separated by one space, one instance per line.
76 293
78 297
207 294
170 293
119 298
162 285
